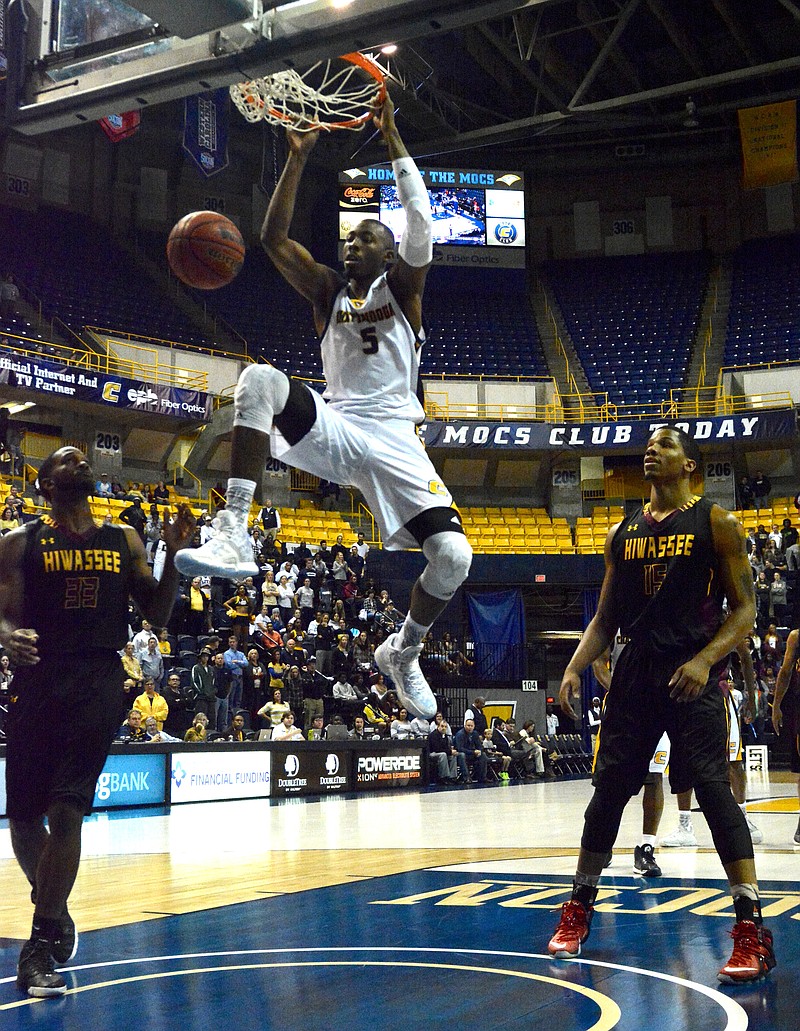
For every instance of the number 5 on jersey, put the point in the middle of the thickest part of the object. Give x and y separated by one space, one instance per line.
370 337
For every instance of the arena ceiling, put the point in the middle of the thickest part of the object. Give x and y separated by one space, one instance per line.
572 74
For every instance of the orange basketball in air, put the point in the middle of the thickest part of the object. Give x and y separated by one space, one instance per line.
205 250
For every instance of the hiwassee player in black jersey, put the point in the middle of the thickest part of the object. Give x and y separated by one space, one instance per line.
64 587
787 693
668 569
370 325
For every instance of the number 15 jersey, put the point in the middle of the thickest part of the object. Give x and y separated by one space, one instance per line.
371 355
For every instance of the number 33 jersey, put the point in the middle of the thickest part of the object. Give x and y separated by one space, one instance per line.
76 588
371 355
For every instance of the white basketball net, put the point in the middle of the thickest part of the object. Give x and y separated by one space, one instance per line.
323 97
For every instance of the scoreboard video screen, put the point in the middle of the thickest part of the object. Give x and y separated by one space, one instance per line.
478 215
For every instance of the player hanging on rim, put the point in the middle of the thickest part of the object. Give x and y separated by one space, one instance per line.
370 327
668 569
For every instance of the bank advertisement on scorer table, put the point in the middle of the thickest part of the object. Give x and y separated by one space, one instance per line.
478 214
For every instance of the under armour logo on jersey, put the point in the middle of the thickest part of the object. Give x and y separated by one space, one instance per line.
47 540
632 527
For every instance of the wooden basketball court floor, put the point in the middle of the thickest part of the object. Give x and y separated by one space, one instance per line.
426 910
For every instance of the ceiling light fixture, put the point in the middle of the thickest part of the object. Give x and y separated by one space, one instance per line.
389 49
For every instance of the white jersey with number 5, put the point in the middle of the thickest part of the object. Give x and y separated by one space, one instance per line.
370 356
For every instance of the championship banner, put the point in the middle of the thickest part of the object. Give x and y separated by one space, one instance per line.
121 127
769 144
522 436
205 130
66 381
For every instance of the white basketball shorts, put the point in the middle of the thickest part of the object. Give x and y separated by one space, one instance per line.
383 458
660 760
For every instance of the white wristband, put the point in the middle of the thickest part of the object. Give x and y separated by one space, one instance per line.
416 244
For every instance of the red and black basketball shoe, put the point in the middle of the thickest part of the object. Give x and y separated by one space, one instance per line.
572 930
753 955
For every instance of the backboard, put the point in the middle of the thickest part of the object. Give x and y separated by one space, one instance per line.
72 61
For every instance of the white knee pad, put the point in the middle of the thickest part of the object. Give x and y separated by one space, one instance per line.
449 557
261 394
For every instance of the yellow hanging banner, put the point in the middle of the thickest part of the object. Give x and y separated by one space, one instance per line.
769 144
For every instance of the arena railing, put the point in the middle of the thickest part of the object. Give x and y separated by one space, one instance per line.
107 364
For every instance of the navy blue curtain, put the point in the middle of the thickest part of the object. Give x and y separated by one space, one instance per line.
497 620
589 686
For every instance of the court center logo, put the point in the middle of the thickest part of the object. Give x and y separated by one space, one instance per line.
505 232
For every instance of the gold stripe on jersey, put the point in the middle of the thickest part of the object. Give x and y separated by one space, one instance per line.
684 508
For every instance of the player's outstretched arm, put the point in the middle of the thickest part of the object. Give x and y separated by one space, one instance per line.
155 598
19 642
597 636
736 577
784 679
415 252
314 281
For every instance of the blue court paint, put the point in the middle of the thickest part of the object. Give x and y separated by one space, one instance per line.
429 949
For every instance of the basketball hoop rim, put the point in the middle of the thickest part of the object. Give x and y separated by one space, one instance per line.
366 64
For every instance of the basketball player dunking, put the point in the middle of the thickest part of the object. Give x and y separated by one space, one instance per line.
370 325
668 569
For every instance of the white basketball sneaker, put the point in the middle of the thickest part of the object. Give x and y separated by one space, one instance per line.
228 554
682 837
756 834
402 665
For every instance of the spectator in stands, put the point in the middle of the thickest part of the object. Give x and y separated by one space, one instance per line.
761 489
8 520
141 638
316 732
336 730
199 729
495 758
389 619
270 638
362 653
156 736
772 647
16 502
360 732
207 530
254 682
287 601
270 518
779 599
305 602
762 539
152 532
9 297
286 730
745 493
151 661
776 537
198 609
400 728
235 661
293 691
315 686
453 659
789 535
132 729
444 755
355 563
235 731
133 671
341 661
470 745
273 710
339 571
362 547
345 693
134 516
102 488
328 489
594 717
150 703
222 690
269 590
202 682
475 713
160 493
526 740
